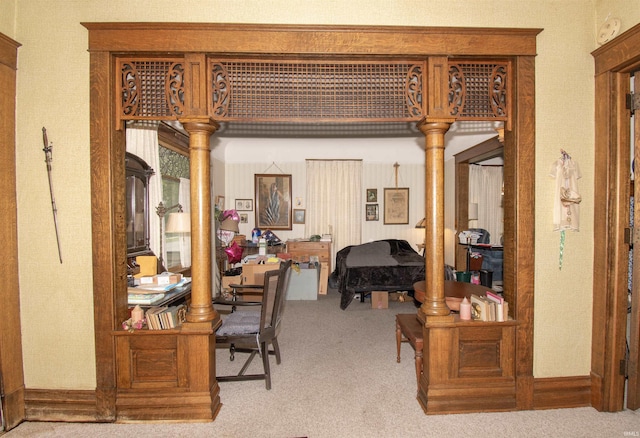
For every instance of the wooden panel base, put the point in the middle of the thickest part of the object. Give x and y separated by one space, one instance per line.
167 374
469 366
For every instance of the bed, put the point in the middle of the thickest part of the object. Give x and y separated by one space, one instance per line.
383 265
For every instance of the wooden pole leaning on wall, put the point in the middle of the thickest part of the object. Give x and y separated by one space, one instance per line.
434 130
200 130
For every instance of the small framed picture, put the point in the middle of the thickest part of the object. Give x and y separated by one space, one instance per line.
372 212
220 202
298 216
372 195
244 204
244 218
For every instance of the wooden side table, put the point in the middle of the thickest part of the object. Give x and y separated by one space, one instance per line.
409 329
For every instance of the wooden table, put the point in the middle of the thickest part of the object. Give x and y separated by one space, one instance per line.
457 289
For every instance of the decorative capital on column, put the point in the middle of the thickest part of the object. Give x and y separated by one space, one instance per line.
199 123
438 124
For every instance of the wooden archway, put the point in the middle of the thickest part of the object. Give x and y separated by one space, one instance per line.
189 389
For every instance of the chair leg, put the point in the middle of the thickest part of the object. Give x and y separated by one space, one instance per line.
276 349
232 352
265 363
398 339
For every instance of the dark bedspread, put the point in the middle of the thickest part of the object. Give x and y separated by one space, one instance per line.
385 265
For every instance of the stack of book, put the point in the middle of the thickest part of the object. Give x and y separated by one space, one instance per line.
164 318
151 293
491 307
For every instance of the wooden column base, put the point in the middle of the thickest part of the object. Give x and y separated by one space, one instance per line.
468 367
167 375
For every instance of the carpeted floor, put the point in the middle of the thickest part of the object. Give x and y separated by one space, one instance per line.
339 378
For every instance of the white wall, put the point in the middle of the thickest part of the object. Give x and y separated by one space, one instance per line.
246 157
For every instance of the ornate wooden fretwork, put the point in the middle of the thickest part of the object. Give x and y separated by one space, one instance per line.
151 89
264 90
478 90
259 90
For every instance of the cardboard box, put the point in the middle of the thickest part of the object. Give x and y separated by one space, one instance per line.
324 279
303 284
160 279
379 300
148 265
253 273
230 279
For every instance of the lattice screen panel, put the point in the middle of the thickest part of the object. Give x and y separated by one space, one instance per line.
316 91
478 90
312 91
151 89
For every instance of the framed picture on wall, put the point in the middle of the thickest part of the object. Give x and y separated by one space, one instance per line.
372 212
244 204
220 202
298 216
372 195
396 206
244 218
273 201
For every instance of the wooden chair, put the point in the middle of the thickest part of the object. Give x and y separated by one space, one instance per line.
254 331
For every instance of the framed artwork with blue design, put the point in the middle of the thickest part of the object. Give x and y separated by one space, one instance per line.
273 201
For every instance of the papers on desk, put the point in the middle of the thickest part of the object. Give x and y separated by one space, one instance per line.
158 289
145 299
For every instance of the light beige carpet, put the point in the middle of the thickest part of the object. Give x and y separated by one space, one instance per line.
339 378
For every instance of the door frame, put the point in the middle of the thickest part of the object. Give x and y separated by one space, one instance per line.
614 63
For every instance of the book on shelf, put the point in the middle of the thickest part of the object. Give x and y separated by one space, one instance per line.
164 318
491 307
499 303
479 308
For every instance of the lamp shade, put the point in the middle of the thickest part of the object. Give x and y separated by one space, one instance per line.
230 225
422 223
178 223
473 211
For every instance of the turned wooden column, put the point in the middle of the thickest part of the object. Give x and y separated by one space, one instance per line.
434 129
200 130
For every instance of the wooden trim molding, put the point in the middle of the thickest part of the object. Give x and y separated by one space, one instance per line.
613 63
10 329
561 392
61 405
251 39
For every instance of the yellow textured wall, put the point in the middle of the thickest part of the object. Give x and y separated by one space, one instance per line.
53 91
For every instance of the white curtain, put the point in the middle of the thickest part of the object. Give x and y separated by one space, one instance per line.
334 201
184 240
485 189
142 140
